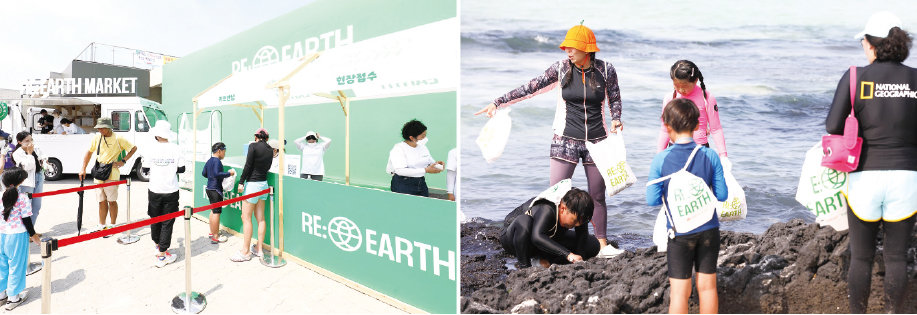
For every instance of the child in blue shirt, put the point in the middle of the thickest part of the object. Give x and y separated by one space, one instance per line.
213 170
697 248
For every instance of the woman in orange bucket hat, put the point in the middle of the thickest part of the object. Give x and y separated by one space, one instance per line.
587 86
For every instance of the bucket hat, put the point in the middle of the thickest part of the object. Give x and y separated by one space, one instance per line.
581 38
163 129
879 24
103 122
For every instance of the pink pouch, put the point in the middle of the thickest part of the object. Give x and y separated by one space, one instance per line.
842 152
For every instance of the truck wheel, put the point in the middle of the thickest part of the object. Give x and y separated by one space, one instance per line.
53 170
138 171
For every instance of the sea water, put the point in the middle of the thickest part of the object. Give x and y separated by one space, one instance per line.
773 68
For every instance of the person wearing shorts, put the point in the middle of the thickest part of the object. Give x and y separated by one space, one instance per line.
696 249
254 179
213 171
109 145
880 191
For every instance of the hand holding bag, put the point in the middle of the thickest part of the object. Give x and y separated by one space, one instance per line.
842 152
101 171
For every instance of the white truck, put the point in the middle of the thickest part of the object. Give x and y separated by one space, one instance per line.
131 116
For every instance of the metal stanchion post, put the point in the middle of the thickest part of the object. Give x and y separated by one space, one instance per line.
46 280
197 302
274 261
128 238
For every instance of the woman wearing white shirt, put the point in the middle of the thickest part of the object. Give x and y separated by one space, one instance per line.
410 160
313 153
25 157
67 127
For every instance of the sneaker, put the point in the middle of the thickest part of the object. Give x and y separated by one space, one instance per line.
22 296
219 238
256 253
238 257
162 261
107 226
3 297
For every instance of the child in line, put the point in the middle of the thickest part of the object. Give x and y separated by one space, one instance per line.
15 232
697 247
214 173
685 76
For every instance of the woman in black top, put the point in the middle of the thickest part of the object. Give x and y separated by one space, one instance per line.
254 179
881 190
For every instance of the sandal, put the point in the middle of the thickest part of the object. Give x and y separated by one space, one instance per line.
238 257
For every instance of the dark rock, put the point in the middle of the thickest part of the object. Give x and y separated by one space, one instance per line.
794 267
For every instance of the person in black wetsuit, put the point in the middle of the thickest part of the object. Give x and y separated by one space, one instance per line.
544 230
881 190
254 179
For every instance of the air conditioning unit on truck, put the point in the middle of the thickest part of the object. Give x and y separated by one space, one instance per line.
132 117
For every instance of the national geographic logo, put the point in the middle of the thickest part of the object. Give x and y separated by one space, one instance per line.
870 90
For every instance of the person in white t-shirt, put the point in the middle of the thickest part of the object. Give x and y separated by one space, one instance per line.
67 127
452 174
313 147
410 160
163 162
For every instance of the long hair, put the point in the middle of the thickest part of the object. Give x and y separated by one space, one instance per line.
686 70
11 178
591 80
19 137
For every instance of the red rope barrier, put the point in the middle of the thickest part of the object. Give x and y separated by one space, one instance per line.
75 189
164 217
229 201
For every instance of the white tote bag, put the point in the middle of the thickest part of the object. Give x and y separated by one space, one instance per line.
610 157
494 135
735 207
661 232
691 202
822 190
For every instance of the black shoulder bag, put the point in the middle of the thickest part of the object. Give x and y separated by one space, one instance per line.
101 171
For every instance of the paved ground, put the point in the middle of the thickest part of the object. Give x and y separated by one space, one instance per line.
102 276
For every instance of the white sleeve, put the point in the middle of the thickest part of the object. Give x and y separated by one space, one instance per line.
327 142
300 142
450 181
398 164
451 160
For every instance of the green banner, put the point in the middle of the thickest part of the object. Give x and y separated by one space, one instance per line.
400 245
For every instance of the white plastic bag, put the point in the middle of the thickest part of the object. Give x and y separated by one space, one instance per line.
610 157
494 135
735 206
822 190
661 232
228 182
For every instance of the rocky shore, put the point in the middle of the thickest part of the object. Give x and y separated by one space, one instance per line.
794 267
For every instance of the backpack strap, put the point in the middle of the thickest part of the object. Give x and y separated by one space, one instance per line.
687 163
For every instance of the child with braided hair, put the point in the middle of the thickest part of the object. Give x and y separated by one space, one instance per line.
685 78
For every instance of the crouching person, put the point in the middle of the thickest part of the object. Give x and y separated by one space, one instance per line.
552 227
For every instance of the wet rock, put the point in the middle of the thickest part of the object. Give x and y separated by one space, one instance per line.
794 267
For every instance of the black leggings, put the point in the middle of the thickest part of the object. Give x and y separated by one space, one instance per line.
862 255
517 240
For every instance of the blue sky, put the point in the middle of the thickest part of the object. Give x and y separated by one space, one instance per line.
38 37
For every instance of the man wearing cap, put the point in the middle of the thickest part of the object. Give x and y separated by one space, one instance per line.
165 163
109 147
